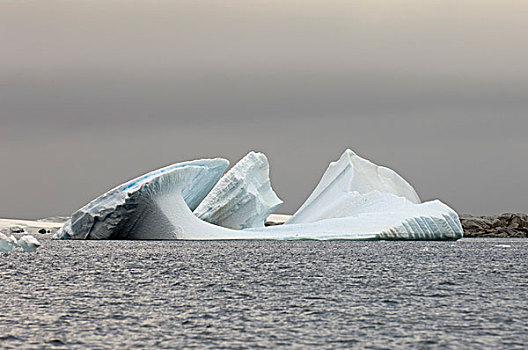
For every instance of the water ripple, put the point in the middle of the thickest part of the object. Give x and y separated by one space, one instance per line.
121 294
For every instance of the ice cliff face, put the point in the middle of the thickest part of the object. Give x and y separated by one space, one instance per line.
243 198
355 199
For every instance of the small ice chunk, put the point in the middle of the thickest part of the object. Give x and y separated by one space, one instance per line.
28 243
6 244
13 239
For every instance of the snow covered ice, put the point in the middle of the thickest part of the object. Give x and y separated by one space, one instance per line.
339 191
375 199
355 199
141 208
243 198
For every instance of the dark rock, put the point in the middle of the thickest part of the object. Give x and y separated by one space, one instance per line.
272 223
504 225
18 229
42 231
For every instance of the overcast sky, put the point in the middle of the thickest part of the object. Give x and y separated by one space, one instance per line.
93 93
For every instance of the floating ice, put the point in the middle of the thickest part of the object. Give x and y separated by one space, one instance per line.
334 195
6 244
137 209
27 243
355 199
243 198
373 199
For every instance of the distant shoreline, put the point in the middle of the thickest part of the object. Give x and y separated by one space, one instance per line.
507 225
512 225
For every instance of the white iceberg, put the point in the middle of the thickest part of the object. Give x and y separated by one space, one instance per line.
243 198
27 243
354 200
335 197
372 199
377 215
136 209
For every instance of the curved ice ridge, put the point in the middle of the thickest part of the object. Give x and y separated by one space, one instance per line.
133 210
243 198
355 199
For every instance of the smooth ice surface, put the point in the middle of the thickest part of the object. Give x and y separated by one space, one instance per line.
131 210
350 174
243 198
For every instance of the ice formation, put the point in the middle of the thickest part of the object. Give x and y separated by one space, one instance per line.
339 191
355 199
375 199
27 243
142 207
243 198
377 215
6 244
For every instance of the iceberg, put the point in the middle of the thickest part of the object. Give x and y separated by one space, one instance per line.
334 195
243 198
355 200
379 215
7 244
375 199
141 208
27 243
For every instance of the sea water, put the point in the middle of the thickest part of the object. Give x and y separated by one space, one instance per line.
471 293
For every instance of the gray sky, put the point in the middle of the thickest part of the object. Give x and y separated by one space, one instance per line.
93 93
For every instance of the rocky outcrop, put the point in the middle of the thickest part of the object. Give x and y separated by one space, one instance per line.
504 225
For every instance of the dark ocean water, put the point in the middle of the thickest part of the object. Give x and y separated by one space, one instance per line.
472 293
